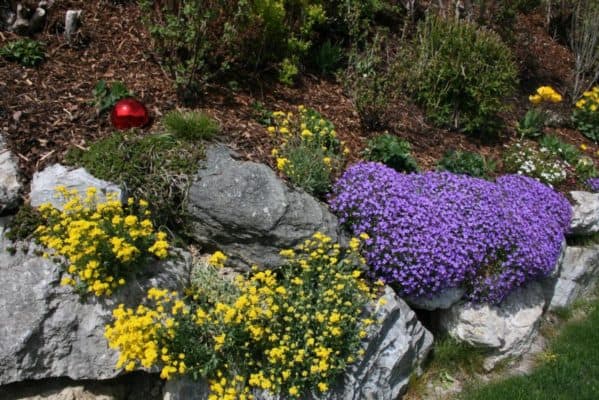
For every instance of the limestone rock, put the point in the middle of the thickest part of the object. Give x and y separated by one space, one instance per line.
585 213
577 277
442 300
44 183
245 210
48 331
506 330
10 185
393 351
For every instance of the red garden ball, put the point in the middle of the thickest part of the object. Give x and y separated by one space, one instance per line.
129 113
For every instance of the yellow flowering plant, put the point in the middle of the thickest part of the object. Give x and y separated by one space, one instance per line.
586 114
534 120
102 243
306 149
289 332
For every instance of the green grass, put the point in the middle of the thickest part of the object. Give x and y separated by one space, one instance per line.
569 371
191 125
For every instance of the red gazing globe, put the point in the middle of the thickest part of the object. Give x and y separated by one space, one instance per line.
129 113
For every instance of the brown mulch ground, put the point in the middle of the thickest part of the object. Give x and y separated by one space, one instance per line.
46 110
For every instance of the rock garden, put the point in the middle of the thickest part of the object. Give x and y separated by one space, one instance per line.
241 200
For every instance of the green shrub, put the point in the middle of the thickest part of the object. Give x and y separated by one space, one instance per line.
371 82
327 58
156 168
262 114
105 97
191 125
461 74
541 164
566 151
467 163
391 151
26 52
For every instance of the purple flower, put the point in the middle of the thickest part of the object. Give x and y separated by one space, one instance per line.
438 230
593 184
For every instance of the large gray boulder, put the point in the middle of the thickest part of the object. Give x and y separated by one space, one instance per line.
507 330
394 350
48 331
245 210
576 279
10 184
44 183
585 213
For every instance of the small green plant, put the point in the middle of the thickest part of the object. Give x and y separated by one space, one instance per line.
566 151
157 168
307 149
105 97
534 120
466 162
24 224
391 151
541 164
460 74
451 355
191 125
103 242
26 52
327 58
586 114
261 114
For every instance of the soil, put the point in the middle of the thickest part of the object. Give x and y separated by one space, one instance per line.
48 109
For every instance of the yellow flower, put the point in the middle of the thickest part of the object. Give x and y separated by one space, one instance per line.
323 387
218 259
282 162
535 99
583 147
271 129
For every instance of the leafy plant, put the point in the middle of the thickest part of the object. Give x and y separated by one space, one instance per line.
566 151
541 164
534 120
308 151
105 97
261 114
586 114
467 163
104 242
26 52
191 125
327 58
391 151
460 74
241 336
157 168
24 223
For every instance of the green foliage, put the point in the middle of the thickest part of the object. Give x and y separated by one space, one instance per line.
569 371
460 74
309 151
24 223
391 151
566 151
105 97
191 125
288 70
532 124
327 58
466 162
262 114
586 114
156 168
371 83
542 164
451 355
26 52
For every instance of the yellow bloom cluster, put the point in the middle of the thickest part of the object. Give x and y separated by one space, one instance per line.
287 331
305 142
218 259
545 94
102 243
589 100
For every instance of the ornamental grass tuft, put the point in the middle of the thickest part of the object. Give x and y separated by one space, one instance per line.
433 231
102 243
289 332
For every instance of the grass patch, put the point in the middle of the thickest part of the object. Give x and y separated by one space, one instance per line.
191 125
156 168
571 371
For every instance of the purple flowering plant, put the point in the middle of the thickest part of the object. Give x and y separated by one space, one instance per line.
437 230
593 184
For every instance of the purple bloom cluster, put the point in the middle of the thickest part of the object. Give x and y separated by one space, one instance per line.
433 231
593 184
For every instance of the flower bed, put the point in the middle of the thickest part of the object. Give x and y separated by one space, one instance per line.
433 231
